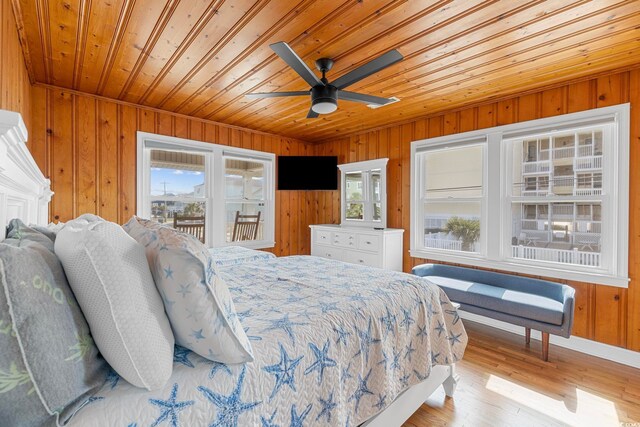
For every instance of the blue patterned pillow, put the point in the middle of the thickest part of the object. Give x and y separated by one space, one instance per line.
46 350
196 299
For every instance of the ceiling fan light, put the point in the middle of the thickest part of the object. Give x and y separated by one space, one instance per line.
325 106
324 99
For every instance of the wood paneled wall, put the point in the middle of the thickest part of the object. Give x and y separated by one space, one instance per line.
87 147
606 314
200 57
15 88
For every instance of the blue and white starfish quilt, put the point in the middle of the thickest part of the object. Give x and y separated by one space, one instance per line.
334 344
233 255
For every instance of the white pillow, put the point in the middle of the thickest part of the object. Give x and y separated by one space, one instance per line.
110 278
197 300
55 228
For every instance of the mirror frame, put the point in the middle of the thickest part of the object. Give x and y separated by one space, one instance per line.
366 168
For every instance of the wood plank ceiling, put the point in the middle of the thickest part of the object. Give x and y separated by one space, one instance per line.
199 57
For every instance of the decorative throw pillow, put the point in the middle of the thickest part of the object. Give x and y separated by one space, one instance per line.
50 230
19 402
18 230
110 277
47 354
196 298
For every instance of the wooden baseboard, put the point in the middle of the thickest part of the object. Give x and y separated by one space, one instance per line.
593 348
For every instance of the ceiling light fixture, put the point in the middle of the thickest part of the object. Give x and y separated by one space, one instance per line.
324 99
325 107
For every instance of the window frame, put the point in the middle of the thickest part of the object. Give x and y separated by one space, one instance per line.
498 167
215 155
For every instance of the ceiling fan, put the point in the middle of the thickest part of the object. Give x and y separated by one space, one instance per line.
325 94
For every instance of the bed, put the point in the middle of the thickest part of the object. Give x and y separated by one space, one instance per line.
233 255
334 343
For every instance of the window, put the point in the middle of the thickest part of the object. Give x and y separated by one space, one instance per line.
181 183
363 193
244 195
451 198
565 227
177 182
548 197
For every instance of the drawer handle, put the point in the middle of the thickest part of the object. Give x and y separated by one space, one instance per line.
361 261
350 237
368 242
328 255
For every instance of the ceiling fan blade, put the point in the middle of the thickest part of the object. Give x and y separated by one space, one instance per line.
312 114
276 94
367 69
293 60
361 97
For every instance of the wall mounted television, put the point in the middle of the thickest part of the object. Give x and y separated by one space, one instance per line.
307 172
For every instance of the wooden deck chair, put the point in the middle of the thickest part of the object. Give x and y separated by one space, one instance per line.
245 227
190 224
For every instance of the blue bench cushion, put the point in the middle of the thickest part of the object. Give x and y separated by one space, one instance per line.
521 304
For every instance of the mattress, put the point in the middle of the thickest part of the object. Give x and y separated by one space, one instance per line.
334 344
233 255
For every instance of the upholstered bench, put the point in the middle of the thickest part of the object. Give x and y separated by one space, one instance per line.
532 303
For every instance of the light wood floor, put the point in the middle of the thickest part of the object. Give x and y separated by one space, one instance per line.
504 383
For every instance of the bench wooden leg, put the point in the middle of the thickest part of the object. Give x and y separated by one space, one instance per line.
527 335
545 346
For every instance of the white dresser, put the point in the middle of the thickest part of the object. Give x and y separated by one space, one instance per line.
358 245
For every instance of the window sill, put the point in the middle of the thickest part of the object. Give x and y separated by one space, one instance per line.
550 271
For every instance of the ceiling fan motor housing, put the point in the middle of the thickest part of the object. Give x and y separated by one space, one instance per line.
321 94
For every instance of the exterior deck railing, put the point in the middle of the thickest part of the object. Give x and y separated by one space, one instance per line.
564 152
587 163
574 256
541 166
587 191
448 244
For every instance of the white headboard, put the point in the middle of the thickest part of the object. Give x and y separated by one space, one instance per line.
24 191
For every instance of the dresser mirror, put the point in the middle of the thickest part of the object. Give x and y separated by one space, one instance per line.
364 193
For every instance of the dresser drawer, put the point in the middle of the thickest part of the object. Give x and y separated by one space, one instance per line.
345 240
358 245
369 242
329 252
323 237
362 258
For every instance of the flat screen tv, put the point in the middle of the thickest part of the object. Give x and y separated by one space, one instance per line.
307 172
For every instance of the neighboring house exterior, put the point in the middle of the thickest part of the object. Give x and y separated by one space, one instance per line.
163 209
566 166
198 191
